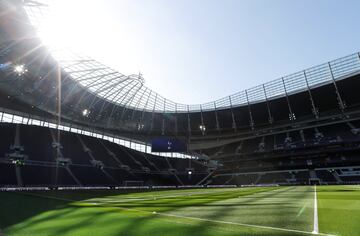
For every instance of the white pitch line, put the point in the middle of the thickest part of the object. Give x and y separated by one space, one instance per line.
240 224
156 197
316 220
195 218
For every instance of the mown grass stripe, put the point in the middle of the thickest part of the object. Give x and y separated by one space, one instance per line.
188 217
241 224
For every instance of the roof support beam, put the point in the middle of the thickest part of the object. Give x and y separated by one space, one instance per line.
341 103
314 109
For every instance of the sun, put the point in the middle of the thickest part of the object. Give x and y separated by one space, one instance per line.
63 24
72 24
86 27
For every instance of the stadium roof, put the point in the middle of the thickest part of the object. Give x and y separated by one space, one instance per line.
129 90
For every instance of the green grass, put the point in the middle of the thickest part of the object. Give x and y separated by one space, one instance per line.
220 212
339 209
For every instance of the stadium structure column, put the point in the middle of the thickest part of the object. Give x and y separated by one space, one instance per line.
188 119
315 110
216 118
58 136
234 126
55 92
202 121
251 120
341 102
143 110
163 126
176 124
292 116
18 145
152 116
270 118
163 120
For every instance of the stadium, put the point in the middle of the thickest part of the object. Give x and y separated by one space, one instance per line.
86 149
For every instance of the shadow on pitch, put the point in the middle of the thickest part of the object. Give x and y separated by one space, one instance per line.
18 208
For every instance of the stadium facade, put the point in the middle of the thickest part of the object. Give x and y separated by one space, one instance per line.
68 120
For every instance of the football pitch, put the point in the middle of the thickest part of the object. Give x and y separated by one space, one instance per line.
301 210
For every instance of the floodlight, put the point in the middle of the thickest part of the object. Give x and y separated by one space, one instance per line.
20 69
85 112
202 128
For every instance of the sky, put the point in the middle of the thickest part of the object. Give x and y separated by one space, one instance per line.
197 51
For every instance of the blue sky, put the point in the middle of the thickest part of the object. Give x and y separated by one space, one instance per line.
195 51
